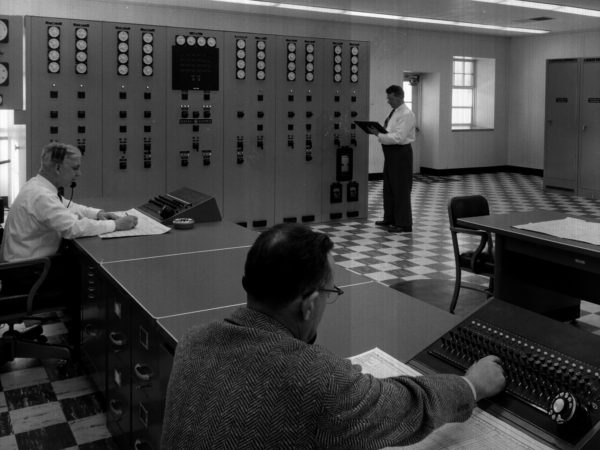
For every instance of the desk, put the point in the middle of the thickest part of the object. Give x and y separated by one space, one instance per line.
539 272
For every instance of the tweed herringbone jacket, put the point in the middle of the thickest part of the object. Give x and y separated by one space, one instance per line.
247 382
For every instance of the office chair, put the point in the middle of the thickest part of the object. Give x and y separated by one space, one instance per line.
17 305
479 260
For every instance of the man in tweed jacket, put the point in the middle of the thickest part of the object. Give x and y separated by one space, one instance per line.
255 380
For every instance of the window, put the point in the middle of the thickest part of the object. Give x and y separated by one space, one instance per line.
463 92
408 91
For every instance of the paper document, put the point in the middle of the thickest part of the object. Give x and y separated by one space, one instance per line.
481 431
569 228
145 226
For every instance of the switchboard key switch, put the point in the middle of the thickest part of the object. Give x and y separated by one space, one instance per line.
184 113
290 126
336 126
54 114
260 142
291 114
184 157
290 98
353 114
123 147
147 95
336 98
337 114
259 127
81 94
206 113
122 95
122 128
147 114
309 114
290 141
81 114
123 163
308 127
240 114
206 154
308 143
260 114
147 160
308 155
240 157
53 94
309 98
122 114
147 146
147 128
260 97
195 114
81 130
53 130
353 99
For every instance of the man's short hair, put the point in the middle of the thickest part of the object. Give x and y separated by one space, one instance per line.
56 152
285 262
396 90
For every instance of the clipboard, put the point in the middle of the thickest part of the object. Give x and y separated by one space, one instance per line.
365 125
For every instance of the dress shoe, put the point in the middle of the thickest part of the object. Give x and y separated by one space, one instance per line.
382 223
395 229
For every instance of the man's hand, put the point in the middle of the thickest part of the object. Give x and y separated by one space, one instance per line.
487 376
374 131
103 215
125 223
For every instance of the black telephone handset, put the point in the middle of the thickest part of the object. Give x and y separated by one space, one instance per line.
72 186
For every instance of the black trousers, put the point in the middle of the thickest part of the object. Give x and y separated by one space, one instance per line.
397 184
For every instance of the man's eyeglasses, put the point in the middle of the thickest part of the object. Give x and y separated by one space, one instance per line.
336 290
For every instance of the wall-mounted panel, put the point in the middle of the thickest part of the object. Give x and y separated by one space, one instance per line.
11 62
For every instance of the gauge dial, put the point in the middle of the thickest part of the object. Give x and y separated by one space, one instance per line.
241 64
123 69
53 67
211 41
123 47
53 31
337 77
191 40
354 51
3 30
291 76
147 48
260 65
354 60
310 57
123 58
53 55
123 36
310 48
260 55
291 57
81 45
291 47
241 74
147 37
147 59
354 69
310 76
354 78
241 54
260 75
3 74
53 43
81 33
337 68
81 56
260 45
291 66
337 49
310 67
147 70
337 59
201 41
241 44
81 68
179 39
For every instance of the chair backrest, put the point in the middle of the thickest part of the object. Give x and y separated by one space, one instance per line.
467 206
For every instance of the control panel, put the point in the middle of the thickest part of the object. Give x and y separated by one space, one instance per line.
11 67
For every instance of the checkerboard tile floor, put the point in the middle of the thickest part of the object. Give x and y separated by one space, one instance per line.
46 405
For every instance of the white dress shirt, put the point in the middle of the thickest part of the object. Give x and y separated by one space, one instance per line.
38 220
400 127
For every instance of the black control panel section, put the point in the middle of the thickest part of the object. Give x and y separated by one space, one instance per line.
552 369
182 203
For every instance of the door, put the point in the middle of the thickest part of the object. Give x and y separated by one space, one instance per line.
589 154
411 88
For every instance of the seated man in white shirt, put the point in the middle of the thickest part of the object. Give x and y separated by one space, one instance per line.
39 219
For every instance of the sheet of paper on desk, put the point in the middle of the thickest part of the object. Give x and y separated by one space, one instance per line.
569 228
145 226
482 431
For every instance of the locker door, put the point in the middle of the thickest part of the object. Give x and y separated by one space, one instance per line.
589 154
562 118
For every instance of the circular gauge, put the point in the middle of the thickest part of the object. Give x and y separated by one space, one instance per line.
354 78
53 43
147 71
3 73
147 37
291 66
53 67
261 45
179 39
337 68
291 57
81 45
81 68
241 54
81 33
147 48
354 59
81 56
291 47
260 55
354 51
241 64
53 55
201 41
53 31
310 67
291 76
260 65
211 41
147 59
241 74
123 58
310 57
123 36
337 59
337 49
123 47
337 77
3 30
123 69
310 48
354 69
260 75
241 44
310 76
191 40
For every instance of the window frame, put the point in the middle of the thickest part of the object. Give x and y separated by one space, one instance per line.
472 87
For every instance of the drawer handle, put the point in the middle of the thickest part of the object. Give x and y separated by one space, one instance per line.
115 408
117 338
143 372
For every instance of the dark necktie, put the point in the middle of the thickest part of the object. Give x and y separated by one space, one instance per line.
61 193
387 120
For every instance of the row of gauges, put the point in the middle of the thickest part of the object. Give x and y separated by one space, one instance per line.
123 53
309 68
81 46
337 63
3 65
193 40
240 62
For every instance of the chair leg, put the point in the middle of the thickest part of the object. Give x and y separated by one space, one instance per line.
456 291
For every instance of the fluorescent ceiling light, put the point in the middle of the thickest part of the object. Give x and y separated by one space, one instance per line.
347 12
546 7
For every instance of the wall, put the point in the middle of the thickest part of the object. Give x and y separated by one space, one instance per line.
394 50
527 94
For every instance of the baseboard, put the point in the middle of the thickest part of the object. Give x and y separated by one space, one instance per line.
469 170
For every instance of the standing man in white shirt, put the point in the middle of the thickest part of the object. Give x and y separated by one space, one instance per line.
398 163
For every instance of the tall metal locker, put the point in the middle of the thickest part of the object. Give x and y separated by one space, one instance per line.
562 118
589 126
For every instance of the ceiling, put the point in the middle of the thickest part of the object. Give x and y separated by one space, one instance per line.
453 10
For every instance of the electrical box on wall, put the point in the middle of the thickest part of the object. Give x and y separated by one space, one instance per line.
11 62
